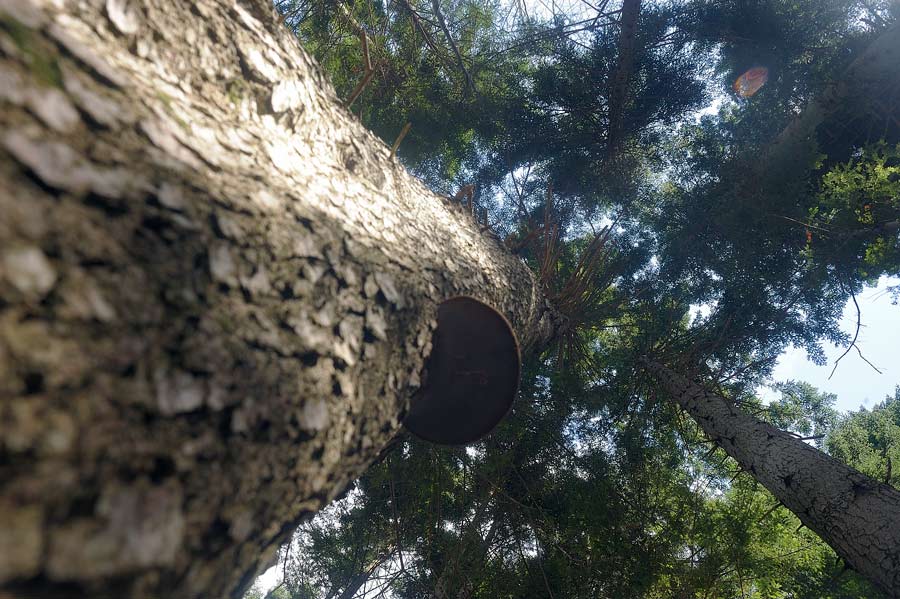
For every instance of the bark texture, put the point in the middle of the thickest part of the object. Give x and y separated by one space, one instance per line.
856 515
217 294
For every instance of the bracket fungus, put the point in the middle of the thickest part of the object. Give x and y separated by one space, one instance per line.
472 374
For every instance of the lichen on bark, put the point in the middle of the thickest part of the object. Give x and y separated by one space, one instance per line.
217 294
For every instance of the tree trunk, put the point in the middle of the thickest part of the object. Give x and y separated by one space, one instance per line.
858 516
456 580
870 84
619 86
360 579
217 294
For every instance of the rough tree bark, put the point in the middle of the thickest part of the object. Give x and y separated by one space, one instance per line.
217 294
857 516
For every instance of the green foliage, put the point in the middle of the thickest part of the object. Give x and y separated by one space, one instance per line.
416 76
804 411
801 43
870 440
254 593
602 502
739 541
555 499
735 227
596 486
562 124
859 212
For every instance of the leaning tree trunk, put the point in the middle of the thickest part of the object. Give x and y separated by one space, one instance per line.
858 516
217 294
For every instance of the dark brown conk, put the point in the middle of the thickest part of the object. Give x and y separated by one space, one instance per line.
472 374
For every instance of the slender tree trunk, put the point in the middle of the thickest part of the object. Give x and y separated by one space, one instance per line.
858 516
619 86
217 294
360 579
456 580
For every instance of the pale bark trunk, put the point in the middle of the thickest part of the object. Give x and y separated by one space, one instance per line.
857 516
217 294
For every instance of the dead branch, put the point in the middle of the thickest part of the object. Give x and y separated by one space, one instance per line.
368 70
417 23
855 337
768 511
399 139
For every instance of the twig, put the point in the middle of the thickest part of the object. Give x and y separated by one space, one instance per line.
855 337
399 139
417 23
859 351
271 593
367 60
810 438
746 367
396 523
284 578
768 511
800 222
544 575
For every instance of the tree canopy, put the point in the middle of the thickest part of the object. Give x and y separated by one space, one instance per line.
640 181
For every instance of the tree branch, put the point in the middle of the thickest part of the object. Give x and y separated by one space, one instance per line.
435 4
855 337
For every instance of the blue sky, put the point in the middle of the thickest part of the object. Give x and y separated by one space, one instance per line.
854 382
